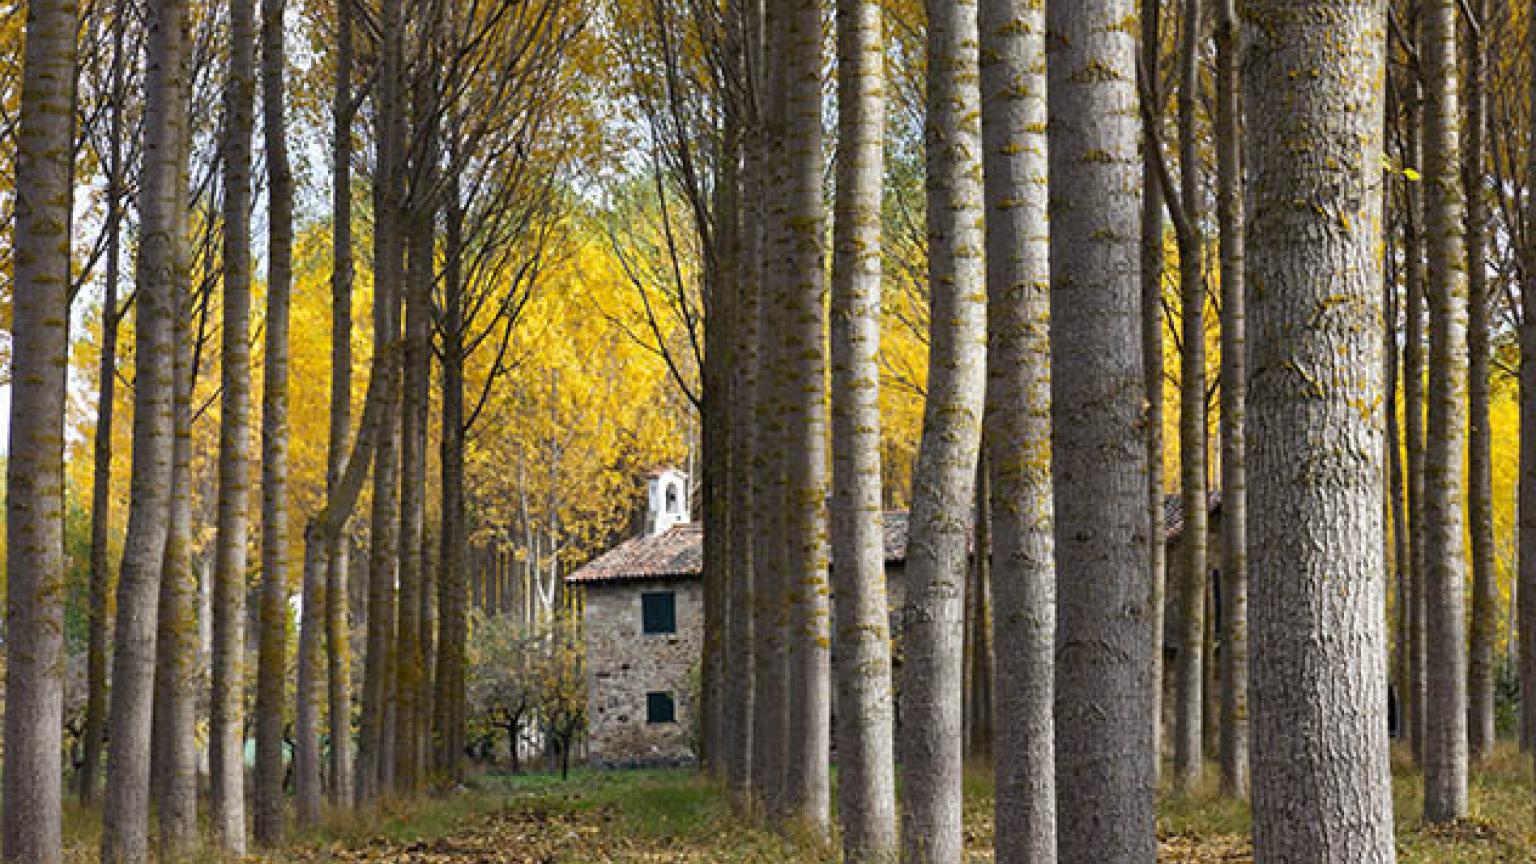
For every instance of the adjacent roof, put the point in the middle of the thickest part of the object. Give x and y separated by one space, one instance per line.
679 553
675 552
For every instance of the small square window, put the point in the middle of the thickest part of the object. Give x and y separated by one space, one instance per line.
659 708
658 612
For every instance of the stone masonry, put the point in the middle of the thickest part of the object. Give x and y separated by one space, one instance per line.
625 666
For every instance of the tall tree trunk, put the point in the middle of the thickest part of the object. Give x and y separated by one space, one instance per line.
1188 754
1018 424
1234 406
1210 696
34 684
1152 223
770 718
1526 579
1485 585
383 550
125 820
454 531
978 622
420 225
715 467
272 650
337 629
944 480
1445 704
306 714
176 640
1398 503
866 771
1322 788
720 325
101 476
226 756
324 568
808 783
741 691
1413 408
1104 770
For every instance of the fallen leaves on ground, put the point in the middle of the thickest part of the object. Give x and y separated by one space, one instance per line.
1195 849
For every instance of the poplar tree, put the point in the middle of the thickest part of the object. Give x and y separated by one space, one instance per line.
1445 692
125 818
226 735
1234 405
1321 778
272 646
866 777
1018 424
34 686
944 480
1104 641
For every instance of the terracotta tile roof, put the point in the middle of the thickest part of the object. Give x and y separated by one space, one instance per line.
1173 513
679 553
676 552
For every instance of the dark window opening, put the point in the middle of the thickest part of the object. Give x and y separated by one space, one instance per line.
658 612
659 708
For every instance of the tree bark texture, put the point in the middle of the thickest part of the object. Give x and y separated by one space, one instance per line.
1152 224
1234 406
741 687
1445 671
1018 425
34 687
1413 409
944 480
1526 587
383 550
1321 780
450 679
101 477
1481 734
1189 695
866 769
272 644
337 627
808 789
1104 638
769 721
125 818
226 746
176 621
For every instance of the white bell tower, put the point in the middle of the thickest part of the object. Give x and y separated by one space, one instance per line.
668 501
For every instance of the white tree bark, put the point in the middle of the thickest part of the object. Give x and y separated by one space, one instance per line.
34 686
944 481
866 768
1445 628
1104 638
125 819
1234 402
769 719
226 755
1321 782
267 825
1019 425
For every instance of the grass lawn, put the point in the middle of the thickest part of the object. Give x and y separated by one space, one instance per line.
673 816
